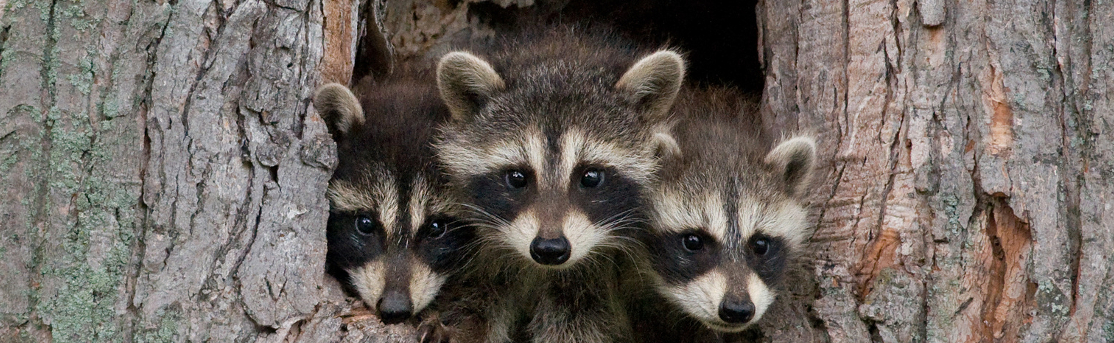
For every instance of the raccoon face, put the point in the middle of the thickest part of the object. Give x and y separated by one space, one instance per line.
553 160
391 230
722 248
395 239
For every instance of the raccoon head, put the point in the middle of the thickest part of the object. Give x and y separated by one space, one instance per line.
392 233
553 156
725 233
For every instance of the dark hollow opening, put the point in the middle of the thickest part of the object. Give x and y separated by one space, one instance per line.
720 38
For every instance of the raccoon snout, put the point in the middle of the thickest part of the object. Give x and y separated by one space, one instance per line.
736 311
394 307
550 252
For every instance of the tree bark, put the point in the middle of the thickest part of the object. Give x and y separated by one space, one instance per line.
165 172
165 179
970 169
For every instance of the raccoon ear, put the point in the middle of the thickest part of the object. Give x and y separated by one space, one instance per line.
466 82
794 160
654 82
665 147
339 108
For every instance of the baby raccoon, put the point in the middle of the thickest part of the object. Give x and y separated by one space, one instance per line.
727 215
392 233
552 145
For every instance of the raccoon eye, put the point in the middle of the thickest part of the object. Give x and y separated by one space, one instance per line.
365 225
692 242
592 178
515 179
437 228
761 246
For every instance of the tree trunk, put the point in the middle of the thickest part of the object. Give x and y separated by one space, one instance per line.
971 165
165 172
165 180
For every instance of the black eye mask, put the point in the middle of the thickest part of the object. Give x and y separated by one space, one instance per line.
682 257
354 239
770 265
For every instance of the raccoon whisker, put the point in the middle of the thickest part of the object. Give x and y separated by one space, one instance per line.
600 257
494 243
618 244
626 245
593 262
616 216
470 248
620 223
485 223
486 226
486 214
675 311
616 224
621 241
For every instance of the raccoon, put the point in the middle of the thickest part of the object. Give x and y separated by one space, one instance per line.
552 145
727 217
393 233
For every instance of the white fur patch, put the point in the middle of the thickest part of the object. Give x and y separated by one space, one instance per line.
424 285
578 148
677 212
572 144
714 216
381 196
788 221
521 232
369 280
673 213
750 216
701 297
523 148
785 219
345 196
420 195
534 151
583 236
388 207
760 295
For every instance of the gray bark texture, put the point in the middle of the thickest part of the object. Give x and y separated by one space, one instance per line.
164 171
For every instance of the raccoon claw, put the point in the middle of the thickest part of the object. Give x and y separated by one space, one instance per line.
434 332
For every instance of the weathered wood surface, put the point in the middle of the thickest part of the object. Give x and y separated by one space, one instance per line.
165 173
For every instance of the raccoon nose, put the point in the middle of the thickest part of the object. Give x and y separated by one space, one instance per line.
550 251
736 311
394 307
